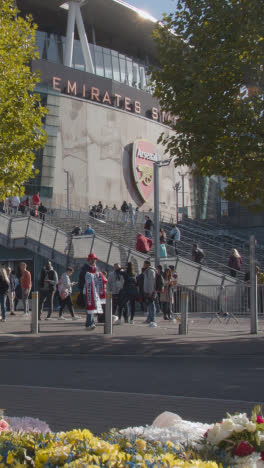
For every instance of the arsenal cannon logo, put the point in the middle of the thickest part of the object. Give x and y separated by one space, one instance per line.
143 157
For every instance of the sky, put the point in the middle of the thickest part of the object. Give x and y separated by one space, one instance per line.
155 7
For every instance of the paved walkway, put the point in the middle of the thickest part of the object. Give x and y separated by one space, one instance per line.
101 407
71 337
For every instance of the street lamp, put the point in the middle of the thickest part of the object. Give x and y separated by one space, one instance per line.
177 187
157 166
182 176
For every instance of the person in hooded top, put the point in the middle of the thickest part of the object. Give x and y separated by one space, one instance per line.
143 244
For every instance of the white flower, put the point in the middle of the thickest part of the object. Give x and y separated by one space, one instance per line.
251 427
218 433
240 419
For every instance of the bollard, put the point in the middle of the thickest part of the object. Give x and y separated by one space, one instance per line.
183 327
108 328
34 314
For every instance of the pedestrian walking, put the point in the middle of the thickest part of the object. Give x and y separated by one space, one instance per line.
175 237
36 201
197 254
140 286
102 295
124 209
166 296
129 294
11 290
15 204
176 292
150 292
114 286
93 290
4 285
148 226
47 283
26 285
234 263
42 211
162 238
143 244
65 290
159 287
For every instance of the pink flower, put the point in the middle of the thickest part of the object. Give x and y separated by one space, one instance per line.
4 426
260 420
243 449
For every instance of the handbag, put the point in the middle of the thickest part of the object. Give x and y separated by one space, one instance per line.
64 294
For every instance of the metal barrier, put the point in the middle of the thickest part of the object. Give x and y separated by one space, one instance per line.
220 301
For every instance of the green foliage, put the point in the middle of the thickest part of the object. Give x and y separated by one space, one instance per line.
211 77
21 129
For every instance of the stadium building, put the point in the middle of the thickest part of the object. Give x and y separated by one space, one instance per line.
103 122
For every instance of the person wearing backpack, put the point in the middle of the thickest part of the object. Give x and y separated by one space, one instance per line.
65 289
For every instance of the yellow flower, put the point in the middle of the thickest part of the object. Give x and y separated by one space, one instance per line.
10 459
141 444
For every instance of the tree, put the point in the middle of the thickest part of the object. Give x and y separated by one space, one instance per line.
210 76
21 128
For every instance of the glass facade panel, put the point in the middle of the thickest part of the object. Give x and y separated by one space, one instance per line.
108 63
116 68
129 65
78 60
123 73
99 61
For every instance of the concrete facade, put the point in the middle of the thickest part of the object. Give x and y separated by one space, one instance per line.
94 143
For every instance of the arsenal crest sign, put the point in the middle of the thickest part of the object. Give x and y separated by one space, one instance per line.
143 157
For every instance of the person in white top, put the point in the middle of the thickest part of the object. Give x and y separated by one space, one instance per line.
15 204
65 289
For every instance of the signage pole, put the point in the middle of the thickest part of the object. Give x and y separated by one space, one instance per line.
156 214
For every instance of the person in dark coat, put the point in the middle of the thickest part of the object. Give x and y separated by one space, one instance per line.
234 263
47 283
129 293
4 285
11 290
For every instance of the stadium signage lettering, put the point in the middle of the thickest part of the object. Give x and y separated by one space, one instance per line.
94 94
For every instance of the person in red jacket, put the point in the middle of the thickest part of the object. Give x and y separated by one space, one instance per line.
143 243
36 201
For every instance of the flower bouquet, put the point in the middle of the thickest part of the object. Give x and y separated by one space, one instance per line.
237 440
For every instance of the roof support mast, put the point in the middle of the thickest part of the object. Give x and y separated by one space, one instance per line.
75 15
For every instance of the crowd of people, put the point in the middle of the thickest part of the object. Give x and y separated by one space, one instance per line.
153 289
26 205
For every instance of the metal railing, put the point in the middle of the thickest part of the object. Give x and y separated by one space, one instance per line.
53 243
222 301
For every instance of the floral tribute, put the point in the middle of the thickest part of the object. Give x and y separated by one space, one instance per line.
238 439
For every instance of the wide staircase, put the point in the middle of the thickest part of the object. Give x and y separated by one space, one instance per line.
113 242
217 243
